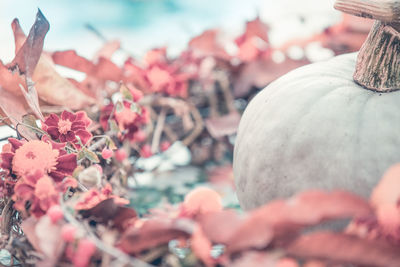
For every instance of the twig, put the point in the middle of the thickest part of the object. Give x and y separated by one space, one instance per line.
158 130
6 215
154 254
225 87
199 126
118 254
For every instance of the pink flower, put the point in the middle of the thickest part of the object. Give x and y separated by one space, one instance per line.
128 120
68 127
22 158
167 79
93 197
40 191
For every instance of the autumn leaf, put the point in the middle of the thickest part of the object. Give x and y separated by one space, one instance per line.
207 44
25 61
154 233
28 55
345 248
259 73
107 211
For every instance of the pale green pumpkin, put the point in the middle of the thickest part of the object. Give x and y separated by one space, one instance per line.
317 128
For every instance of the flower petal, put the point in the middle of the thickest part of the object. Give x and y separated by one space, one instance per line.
66 164
52 120
84 136
15 143
53 132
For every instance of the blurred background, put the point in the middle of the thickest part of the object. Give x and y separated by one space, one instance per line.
144 24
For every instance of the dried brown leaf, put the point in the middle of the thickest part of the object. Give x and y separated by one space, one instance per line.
207 44
154 233
107 211
28 55
260 73
387 192
55 89
224 125
344 248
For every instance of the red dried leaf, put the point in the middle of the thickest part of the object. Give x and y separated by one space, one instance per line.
19 35
216 228
154 233
10 81
104 69
44 236
224 125
108 49
201 247
255 258
344 248
11 105
253 41
55 89
311 208
253 233
387 192
71 59
28 55
261 72
254 28
108 211
27 58
207 44
107 70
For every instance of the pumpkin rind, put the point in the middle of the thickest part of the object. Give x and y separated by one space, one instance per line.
315 128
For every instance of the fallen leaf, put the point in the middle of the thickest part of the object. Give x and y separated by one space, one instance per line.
261 72
154 233
28 55
55 89
108 211
387 192
207 44
72 60
344 248
202 247
108 50
223 125
255 258
216 229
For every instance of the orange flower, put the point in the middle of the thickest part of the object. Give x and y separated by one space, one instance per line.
40 191
49 157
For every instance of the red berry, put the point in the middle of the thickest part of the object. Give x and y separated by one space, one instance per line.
106 153
55 213
83 253
165 145
68 233
140 136
145 152
121 154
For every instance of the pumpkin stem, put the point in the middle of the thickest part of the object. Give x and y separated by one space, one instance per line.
378 62
383 10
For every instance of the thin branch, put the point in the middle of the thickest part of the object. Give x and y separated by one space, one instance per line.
118 254
158 130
